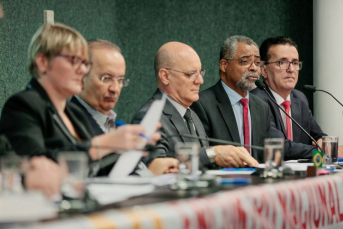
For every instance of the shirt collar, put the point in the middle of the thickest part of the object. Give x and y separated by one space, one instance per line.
99 117
233 96
278 97
181 109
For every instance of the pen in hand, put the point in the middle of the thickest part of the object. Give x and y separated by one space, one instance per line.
121 123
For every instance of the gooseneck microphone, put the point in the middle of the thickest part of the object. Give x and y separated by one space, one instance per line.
312 88
214 140
262 86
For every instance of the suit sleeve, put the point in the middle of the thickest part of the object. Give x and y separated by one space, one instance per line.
20 123
292 150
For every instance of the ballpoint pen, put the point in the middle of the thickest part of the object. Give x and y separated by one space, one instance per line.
121 123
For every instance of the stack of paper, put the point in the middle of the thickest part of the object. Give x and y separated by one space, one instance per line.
26 206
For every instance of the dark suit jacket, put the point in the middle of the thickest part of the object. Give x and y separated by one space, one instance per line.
302 114
98 131
95 126
215 111
31 123
172 124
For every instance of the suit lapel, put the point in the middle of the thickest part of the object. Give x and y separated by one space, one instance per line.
79 127
276 111
199 128
60 123
296 114
255 120
226 111
176 120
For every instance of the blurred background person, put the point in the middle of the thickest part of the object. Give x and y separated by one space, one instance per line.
40 121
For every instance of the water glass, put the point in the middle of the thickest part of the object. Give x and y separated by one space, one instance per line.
273 157
12 167
188 156
330 151
75 168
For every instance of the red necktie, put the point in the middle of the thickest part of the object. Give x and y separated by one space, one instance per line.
286 104
246 132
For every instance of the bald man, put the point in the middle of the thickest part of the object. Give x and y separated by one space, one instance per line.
179 76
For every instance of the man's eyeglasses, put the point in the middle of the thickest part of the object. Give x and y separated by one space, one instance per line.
284 64
247 63
77 62
192 76
108 80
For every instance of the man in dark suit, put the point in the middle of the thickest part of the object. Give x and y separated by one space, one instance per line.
101 91
280 74
221 107
221 112
179 76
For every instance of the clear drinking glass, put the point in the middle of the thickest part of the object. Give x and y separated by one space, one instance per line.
75 168
273 157
330 151
12 167
188 156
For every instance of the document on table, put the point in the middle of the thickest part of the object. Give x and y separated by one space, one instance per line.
293 164
231 171
160 180
25 207
111 193
128 160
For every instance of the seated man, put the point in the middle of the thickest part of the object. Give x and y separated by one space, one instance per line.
280 74
100 93
227 110
179 76
222 112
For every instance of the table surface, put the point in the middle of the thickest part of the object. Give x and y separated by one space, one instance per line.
164 193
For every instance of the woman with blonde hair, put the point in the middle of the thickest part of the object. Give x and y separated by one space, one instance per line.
40 120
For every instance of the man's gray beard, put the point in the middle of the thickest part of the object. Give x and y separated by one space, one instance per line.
247 84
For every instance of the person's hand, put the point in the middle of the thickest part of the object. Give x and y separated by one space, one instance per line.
44 175
164 165
232 156
319 141
340 151
127 137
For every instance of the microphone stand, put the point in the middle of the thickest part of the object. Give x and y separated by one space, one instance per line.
312 88
215 140
261 86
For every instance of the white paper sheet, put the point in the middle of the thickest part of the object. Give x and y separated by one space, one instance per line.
160 180
222 172
112 193
128 160
294 165
25 207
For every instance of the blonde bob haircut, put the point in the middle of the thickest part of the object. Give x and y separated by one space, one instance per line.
50 40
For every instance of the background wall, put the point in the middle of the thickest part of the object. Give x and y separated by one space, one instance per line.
140 27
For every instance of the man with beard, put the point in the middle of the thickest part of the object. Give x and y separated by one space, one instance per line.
227 110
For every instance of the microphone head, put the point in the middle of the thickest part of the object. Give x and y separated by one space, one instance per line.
260 84
310 88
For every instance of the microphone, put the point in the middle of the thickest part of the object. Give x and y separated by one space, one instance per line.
262 86
214 140
312 88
